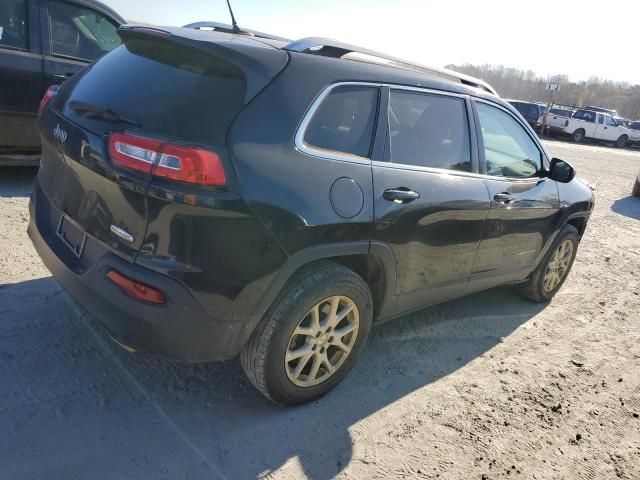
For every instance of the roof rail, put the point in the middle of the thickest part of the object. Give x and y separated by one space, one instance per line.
332 48
226 28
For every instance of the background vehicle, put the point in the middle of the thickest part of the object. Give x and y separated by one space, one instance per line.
283 234
596 126
634 133
556 118
532 112
43 43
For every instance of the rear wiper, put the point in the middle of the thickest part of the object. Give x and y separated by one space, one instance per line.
93 111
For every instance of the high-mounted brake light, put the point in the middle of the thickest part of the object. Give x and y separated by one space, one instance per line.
49 95
174 162
137 290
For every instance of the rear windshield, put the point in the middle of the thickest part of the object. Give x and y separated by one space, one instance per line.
167 89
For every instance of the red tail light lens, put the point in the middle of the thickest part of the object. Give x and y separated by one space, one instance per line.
174 162
49 95
137 290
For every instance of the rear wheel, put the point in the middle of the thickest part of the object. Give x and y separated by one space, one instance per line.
636 188
578 136
312 335
622 141
548 277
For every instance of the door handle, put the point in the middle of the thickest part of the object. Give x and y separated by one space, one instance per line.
400 195
503 197
62 77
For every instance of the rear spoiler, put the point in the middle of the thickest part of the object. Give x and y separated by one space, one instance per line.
260 63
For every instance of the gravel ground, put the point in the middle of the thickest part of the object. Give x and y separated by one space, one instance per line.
489 386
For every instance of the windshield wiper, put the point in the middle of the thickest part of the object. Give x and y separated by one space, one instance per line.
106 114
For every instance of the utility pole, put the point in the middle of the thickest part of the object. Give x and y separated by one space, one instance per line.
552 87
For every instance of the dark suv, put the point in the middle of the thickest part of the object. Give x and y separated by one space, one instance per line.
44 42
207 194
531 112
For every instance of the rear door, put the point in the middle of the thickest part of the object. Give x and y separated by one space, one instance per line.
149 88
524 203
430 206
21 84
76 36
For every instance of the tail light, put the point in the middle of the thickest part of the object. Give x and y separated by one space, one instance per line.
174 162
137 290
566 123
49 95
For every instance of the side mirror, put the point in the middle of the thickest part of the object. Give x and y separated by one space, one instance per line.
561 171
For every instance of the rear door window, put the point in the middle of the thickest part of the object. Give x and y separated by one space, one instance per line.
345 121
508 150
80 32
429 130
14 24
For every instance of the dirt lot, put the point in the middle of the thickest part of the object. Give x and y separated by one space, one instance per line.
490 386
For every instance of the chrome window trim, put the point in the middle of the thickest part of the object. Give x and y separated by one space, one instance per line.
347 157
457 173
314 151
319 152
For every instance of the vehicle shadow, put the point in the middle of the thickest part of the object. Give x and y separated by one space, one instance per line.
142 413
16 181
402 356
627 206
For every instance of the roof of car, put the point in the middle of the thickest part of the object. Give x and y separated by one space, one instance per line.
100 7
325 47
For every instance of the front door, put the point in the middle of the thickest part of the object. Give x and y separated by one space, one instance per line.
77 35
524 202
430 207
21 85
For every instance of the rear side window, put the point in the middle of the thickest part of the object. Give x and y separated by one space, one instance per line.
80 32
13 24
585 115
508 150
345 121
428 130
166 88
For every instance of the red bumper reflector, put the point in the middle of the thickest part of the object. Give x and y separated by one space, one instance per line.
137 290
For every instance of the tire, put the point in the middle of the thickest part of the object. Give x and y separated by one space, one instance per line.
535 288
263 357
578 136
636 188
622 141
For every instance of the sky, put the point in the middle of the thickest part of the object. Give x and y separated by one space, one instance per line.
580 38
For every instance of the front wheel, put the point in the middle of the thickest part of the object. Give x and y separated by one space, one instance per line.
622 141
311 337
548 277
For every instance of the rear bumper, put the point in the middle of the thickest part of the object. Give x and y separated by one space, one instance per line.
554 129
178 330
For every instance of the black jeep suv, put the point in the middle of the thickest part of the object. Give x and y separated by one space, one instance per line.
207 194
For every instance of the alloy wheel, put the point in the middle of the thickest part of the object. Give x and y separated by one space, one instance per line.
322 341
558 266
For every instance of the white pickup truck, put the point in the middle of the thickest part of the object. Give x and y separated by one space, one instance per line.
634 133
596 126
556 118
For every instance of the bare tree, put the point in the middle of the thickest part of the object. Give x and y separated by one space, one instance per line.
526 85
